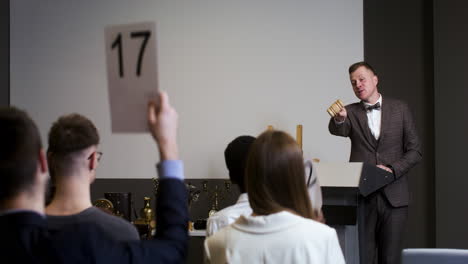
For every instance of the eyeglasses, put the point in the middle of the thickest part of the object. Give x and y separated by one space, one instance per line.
98 153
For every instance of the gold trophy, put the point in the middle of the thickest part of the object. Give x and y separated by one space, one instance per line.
216 195
335 108
193 195
146 224
105 205
146 212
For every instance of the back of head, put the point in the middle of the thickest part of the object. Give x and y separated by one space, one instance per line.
69 135
275 176
19 152
235 156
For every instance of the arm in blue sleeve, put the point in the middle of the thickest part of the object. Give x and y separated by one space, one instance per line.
171 169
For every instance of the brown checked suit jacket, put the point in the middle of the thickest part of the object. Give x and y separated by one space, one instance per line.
398 146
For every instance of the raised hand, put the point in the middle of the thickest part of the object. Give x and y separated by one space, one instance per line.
163 122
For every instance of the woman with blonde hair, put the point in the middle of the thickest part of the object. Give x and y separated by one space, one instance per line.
282 227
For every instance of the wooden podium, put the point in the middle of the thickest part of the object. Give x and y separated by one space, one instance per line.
344 185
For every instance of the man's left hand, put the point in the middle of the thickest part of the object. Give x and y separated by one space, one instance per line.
383 167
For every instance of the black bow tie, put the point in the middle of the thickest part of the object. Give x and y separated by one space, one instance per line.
372 107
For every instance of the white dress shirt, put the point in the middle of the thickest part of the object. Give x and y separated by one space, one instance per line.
228 215
374 118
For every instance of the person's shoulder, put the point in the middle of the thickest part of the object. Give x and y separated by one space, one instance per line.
393 101
216 244
235 210
219 235
111 223
22 224
218 220
353 106
396 105
318 228
55 222
224 213
82 231
108 217
218 216
25 239
86 239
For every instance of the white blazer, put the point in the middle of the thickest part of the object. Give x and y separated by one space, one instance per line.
276 238
228 215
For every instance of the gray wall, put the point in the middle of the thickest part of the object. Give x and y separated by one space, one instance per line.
4 53
257 63
451 122
397 42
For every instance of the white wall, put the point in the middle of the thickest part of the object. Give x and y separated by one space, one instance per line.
230 68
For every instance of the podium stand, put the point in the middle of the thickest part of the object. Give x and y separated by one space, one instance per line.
344 185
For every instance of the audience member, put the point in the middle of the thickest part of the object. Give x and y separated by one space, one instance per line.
23 177
235 156
281 228
73 158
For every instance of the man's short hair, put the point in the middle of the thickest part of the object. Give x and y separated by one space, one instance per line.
235 155
68 135
19 151
364 64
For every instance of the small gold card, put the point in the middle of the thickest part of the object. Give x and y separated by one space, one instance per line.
335 108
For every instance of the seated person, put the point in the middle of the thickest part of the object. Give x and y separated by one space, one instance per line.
281 228
235 156
23 178
73 158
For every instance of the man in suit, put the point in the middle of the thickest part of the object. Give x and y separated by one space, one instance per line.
23 177
383 133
